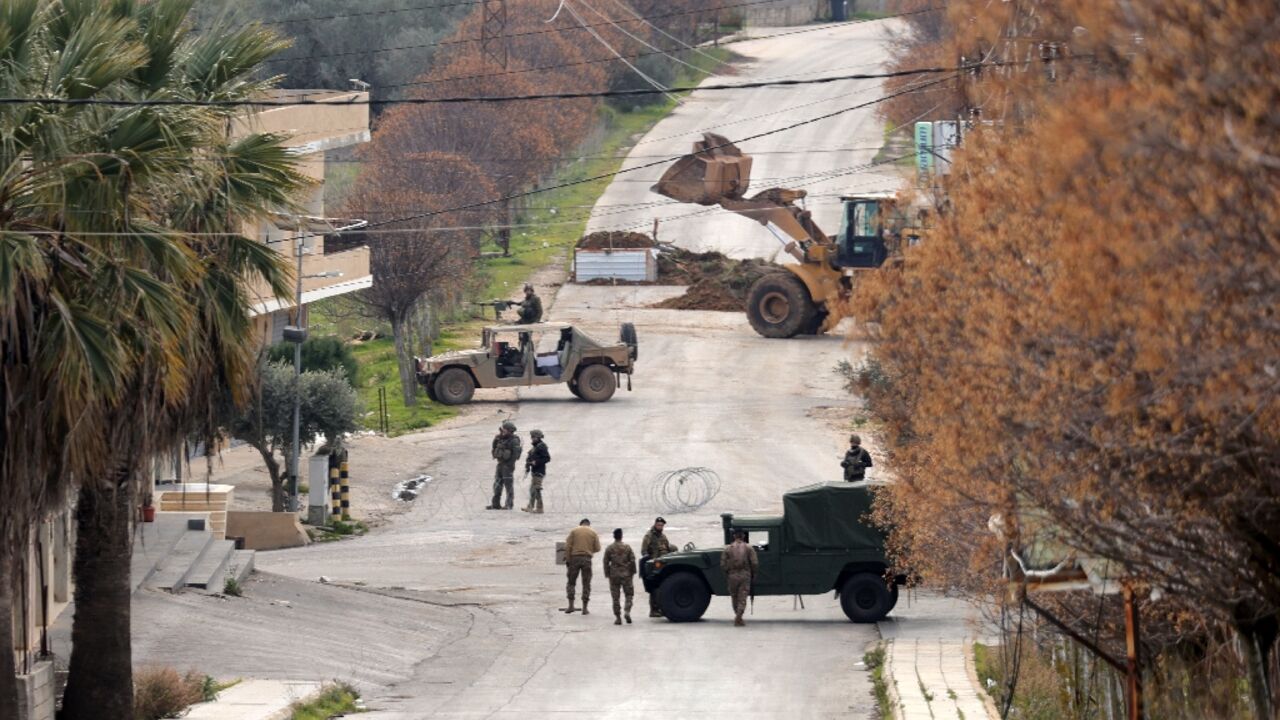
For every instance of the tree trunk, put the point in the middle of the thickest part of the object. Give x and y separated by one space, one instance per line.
8 669
100 678
277 480
404 359
1258 640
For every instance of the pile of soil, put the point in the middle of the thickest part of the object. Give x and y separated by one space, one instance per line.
716 281
615 240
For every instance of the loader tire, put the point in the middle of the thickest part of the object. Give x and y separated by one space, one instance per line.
779 306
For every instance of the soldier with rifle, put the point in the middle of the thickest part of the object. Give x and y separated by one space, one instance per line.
739 563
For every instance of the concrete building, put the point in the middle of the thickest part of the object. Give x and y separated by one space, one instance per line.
314 129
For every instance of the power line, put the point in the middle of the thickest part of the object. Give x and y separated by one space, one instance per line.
475 76
478 99
655 163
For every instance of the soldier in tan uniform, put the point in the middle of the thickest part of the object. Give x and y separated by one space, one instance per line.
579 546
739 563
654 545
620 568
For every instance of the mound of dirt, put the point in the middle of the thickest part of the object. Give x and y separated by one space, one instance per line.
704 295
615 240
716 281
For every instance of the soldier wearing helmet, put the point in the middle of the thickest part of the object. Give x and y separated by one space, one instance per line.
530 307
506 450
856 460
740 564
654 545
536 462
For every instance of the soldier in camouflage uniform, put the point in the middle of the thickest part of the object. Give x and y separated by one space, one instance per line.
856 460
620 568
654 545
506 450
739 563
536 462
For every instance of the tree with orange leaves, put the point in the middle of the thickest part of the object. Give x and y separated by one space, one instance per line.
1090 335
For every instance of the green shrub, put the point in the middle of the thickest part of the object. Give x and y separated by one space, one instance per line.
333 700
319 353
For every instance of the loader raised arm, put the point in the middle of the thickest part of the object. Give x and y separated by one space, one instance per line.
814 297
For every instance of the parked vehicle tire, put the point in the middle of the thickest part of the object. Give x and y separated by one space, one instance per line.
865 598
684 597
431 390
893 598
454 386
779 306
596 383
628 337
573 388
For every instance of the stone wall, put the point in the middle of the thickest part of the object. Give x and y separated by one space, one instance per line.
787 12
35 693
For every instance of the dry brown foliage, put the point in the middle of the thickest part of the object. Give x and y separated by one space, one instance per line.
1090 336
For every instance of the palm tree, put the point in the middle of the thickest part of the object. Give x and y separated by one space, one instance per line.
122 281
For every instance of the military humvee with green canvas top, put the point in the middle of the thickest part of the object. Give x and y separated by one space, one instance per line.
537 354
821 542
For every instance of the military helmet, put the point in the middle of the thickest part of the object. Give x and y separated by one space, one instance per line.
739 532
508 425
528 287
855 440
535 434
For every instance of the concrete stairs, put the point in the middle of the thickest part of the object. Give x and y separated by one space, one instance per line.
180 551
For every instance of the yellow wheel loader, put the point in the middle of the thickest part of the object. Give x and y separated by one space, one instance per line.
814 296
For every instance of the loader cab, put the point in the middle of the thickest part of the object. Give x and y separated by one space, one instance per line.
863 241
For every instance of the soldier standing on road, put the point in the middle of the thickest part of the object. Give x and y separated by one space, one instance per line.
579 546
620 568
856 460
536 462
654 545
530 307
739 563
506 450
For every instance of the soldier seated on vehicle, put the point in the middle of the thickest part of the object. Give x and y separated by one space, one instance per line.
510 361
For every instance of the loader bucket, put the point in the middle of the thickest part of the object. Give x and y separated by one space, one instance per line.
716 170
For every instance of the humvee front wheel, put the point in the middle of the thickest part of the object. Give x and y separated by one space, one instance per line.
596 383
865 598
683 597
454 386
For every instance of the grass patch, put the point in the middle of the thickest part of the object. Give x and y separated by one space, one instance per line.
874 660
340 530
378 369
337 699
231 586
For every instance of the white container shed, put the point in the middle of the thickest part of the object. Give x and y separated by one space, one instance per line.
628 264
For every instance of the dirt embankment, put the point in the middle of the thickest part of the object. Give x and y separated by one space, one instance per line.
716 282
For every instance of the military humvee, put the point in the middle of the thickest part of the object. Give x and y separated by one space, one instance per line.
524 355
820 543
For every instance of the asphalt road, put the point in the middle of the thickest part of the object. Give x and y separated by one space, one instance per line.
826 158
462 601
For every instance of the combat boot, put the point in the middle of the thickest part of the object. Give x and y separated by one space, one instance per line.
584 608
617 619
628 617
571 608
737 622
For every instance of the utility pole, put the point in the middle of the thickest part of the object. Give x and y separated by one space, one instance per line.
493 29
297 334
294 451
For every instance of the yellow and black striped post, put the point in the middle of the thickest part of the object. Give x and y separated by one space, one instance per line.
335 498
344 480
